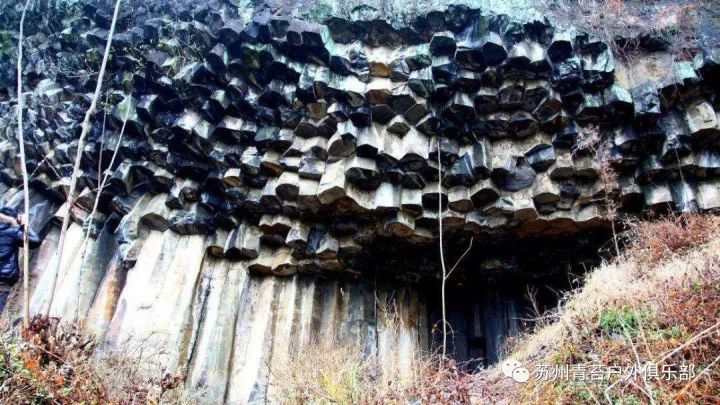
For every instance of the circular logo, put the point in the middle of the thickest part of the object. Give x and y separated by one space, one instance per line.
521 374
508 366
514 369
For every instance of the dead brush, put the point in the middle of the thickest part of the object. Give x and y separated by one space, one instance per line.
651 242
49 365
590 141
656 305
626 19
441 381
327 371
697 309
333 373
681 335
54 363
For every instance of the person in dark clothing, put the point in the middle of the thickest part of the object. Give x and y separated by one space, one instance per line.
12 229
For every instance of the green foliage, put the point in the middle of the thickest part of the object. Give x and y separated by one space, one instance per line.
7 44
674 332
613 320
10 362
585 395
320 12
630 400
127 85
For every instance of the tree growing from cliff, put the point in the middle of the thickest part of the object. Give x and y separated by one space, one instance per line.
590 140
445 274
23 168
90 222
85 129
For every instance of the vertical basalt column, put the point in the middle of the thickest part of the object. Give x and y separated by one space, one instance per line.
251 345
212 351
106 299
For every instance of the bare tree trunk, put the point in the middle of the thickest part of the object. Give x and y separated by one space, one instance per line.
445 274
442 256
78 157
26 192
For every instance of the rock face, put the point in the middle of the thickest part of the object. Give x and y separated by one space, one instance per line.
269 162
218 322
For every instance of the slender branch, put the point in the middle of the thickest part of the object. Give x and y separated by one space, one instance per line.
696 378
91 217
55 269
690 341
445 274
442 254
26 191
606 391
460 259
638 363
587 388
102 138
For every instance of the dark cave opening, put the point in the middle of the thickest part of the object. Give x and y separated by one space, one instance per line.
503 285
482 316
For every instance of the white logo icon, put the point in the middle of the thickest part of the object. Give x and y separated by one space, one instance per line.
513 369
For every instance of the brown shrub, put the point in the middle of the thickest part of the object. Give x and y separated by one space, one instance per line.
610 19
696 311
51 363
651 242
658 304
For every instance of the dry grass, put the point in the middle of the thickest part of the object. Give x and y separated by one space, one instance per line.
53 364
610 19
659 303
333 373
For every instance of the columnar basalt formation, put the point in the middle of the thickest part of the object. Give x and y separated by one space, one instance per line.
264 144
